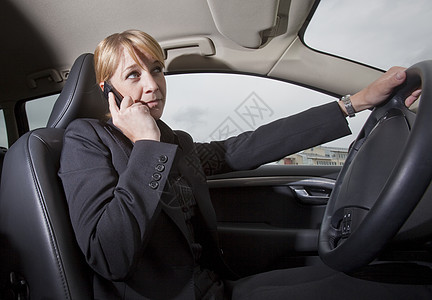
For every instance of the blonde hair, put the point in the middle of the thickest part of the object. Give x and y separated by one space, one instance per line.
109 51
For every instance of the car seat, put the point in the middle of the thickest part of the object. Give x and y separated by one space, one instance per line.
39 256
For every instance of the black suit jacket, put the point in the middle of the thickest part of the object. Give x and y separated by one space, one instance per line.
120 205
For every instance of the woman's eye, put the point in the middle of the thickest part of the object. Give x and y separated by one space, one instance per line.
133 75
157 70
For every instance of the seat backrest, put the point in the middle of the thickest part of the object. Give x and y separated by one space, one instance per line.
40 258
81 96
37 239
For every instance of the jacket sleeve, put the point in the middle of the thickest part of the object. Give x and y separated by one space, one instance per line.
275 140
112 212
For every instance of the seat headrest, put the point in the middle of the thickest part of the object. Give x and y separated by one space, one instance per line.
81 96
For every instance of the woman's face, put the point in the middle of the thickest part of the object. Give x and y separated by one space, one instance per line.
146 85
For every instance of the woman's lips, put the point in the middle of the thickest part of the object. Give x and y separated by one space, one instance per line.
152 103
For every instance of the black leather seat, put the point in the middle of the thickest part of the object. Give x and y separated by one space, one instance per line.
40 258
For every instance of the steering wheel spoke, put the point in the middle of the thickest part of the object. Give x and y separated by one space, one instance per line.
346 222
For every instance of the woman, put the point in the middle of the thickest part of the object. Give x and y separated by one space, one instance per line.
138 202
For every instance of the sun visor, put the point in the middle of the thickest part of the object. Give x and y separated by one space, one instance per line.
247 23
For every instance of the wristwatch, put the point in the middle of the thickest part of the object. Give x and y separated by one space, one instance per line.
348 105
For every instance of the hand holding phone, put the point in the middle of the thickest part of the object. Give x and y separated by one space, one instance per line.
109 88
133 124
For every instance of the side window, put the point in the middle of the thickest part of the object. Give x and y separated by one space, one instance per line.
217 106
38 111
3 132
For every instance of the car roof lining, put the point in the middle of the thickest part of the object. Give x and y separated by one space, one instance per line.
56 41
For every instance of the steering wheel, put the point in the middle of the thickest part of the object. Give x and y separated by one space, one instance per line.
387 171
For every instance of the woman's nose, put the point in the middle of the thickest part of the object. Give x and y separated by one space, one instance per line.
150 85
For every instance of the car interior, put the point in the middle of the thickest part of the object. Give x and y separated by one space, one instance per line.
369 218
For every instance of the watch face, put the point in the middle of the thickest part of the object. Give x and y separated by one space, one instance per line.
348 105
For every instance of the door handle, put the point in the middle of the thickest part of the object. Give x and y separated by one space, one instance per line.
312 191
305 198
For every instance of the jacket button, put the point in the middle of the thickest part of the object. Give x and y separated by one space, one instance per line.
163 158
157 176
153 184
160 168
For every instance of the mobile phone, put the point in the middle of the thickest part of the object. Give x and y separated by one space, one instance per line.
109 88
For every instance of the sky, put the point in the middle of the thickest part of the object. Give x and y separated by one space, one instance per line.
381 33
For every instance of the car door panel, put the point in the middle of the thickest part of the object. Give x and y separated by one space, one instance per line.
269 218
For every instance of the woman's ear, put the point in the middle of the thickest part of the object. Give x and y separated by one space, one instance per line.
102 84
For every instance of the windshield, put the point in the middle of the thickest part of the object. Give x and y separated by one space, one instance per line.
381 33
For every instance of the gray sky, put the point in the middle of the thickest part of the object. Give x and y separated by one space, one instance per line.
381 33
